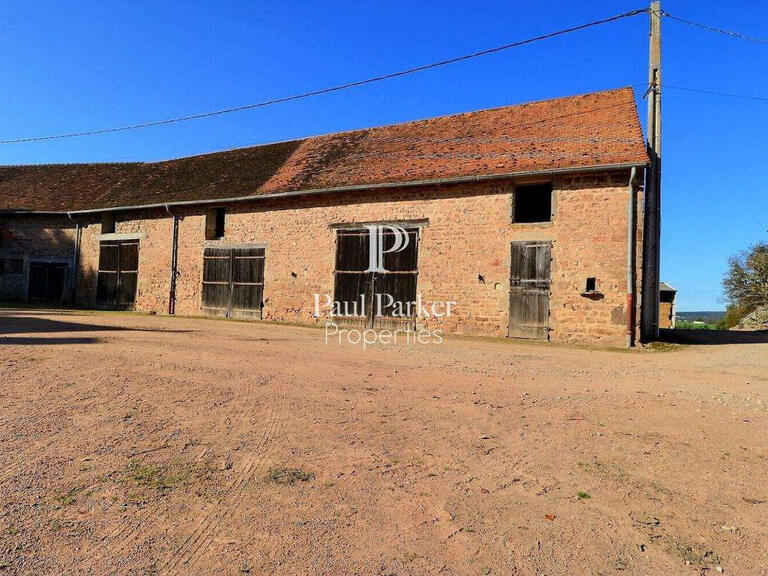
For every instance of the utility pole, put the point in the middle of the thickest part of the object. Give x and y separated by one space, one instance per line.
652 210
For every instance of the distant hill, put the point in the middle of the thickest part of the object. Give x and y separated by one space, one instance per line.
710 317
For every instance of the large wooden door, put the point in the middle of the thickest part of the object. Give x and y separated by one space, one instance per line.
247 282
375 299
233 282
118 274
46 281
529 287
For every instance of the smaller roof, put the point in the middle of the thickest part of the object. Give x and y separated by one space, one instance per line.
664 287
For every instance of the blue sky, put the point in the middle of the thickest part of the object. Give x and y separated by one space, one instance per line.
70 66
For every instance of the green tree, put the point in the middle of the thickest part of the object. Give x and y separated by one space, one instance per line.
746 282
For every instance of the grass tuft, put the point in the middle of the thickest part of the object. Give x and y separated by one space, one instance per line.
284 475
69 498
151 476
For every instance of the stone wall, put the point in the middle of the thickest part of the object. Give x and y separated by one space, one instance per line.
466 237
666 315
32 238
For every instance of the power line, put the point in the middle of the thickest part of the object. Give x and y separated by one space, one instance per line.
714 93
730 33
334 88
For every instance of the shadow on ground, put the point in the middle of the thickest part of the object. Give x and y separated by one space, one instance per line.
17 324
33 341
713 336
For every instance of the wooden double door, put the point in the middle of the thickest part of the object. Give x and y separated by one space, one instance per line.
376 299
47 281
118 274
233 281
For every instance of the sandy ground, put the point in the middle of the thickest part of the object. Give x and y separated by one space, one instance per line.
147 445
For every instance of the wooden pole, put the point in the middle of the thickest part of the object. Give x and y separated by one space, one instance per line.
652 211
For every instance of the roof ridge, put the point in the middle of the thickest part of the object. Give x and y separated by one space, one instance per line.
71 164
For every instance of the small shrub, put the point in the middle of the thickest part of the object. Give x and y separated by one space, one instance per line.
583 495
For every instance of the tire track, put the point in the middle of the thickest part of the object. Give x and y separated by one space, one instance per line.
198 544
256 470
10 471
235 414
124 534
127 533
210 526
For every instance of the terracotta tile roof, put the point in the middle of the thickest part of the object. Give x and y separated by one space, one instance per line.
575 132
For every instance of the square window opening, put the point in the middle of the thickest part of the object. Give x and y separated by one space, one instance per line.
533 203
591 285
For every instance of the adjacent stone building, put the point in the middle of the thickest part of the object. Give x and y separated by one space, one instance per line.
527 218
667 296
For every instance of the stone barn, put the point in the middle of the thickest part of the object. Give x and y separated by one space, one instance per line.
524 221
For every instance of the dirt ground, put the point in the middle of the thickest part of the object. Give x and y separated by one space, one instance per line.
148 445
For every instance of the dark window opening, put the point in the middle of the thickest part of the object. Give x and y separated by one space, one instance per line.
532 203
214 223
108 223
2 267
591 284
15 266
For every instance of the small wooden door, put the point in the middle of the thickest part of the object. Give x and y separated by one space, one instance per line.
529 287
233 282
118 274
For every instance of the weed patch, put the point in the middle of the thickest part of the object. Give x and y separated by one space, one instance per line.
157 477
288 475
70 497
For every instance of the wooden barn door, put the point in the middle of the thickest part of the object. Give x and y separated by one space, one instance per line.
529 286
247 282
233 282
351 279
396 287
217 281
118 274
47 281
358 291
